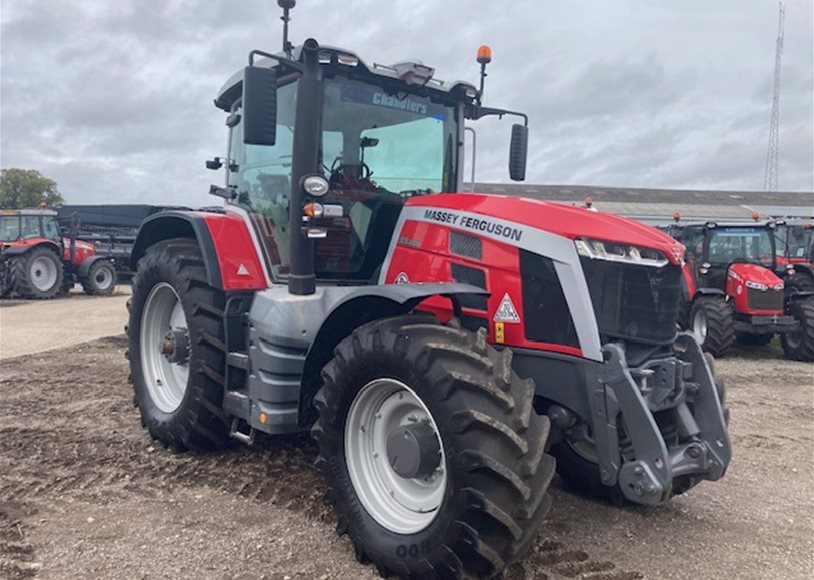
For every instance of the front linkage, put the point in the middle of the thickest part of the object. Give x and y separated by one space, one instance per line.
627 400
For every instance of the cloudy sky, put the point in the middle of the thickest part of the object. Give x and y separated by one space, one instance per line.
113 99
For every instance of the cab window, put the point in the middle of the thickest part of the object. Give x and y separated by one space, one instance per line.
50 229
30 227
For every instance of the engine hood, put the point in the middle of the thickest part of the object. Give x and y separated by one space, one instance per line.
743 272
568 221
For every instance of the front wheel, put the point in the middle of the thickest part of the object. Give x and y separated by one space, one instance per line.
432 451
713 324
799 345
101 280
176 348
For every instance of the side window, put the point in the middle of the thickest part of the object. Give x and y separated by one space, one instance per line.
30 227
693 240
262 177
9 228
49 228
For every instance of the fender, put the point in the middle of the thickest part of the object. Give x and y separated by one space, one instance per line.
708 292
237 266
13 251
364 305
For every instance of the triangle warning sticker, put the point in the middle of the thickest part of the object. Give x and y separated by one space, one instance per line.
506 312
242 270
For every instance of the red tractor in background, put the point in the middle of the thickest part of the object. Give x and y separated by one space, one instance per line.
38 260
732 290
795 254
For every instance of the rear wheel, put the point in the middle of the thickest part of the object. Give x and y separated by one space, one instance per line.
749 339
713 325
101 280
799 345
176 348
38 273
433 454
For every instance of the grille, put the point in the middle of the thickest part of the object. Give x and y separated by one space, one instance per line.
768 300
547 318
475 277
639 303
465 245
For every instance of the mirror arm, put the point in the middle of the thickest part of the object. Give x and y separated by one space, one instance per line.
478 112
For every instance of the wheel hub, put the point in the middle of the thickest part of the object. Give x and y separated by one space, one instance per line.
175 346
413 451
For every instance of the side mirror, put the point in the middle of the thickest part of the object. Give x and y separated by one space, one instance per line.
259 105
518 151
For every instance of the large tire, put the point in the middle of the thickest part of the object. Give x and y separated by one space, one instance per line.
799 345
182 414
582 474
38 273
101 279
802 281
492 444
720 324
748 339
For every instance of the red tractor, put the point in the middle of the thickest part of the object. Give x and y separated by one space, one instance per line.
732 290
38 261
440 347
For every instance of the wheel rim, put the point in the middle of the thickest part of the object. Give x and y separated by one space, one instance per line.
43 273
103 278
699 326
166 381
399 504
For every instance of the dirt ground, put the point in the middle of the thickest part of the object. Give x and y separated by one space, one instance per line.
84 492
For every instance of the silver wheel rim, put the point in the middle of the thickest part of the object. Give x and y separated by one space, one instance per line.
401 505
43 273
103 278
699 326
166 381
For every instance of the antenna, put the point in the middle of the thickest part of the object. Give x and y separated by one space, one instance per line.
286 5
771 177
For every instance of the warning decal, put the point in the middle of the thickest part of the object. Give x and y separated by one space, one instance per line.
506 312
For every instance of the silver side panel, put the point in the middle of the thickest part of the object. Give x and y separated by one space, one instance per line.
560 249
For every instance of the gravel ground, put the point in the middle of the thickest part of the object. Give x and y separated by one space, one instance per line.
84 493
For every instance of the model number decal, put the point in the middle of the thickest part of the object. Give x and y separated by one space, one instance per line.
474 224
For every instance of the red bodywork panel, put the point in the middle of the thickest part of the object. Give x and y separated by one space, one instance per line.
426 257
238 258
736 278
82 250
563 220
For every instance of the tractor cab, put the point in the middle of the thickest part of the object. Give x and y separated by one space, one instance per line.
22 225
794 241
373 137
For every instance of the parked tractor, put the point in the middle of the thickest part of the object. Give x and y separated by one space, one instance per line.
732 290
795 254
39 261
442 348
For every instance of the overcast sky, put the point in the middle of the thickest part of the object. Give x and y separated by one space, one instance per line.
113 99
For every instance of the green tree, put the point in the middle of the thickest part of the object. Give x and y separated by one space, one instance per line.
20 188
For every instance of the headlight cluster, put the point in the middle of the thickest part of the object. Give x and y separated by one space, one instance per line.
763 287
618 252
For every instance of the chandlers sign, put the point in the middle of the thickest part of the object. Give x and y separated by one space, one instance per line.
475 224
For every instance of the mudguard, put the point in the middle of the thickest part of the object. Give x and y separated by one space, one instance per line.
84 267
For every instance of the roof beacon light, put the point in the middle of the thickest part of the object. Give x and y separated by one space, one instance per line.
677 216
484 58
755 215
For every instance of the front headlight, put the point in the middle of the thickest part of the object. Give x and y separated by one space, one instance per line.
756 285
619 252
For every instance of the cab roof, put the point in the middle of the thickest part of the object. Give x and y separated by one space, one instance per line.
48 212
232 89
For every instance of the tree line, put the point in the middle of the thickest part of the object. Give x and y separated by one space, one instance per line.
27 188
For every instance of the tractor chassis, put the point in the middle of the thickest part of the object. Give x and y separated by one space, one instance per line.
765 324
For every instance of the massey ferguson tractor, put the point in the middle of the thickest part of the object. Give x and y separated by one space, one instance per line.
441 347
732 291
37 261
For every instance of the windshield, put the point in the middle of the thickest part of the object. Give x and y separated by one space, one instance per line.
9 228
727 245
